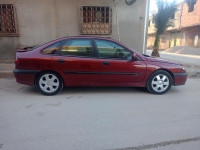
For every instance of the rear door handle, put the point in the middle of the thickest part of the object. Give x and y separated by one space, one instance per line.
61 61
105 63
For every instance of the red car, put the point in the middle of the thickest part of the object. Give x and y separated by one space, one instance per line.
93 61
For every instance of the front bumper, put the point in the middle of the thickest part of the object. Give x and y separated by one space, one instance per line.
180 78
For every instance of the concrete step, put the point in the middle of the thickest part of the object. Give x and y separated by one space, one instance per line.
6 70
6 74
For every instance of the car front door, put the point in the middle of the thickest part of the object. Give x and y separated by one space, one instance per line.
116 64
78 63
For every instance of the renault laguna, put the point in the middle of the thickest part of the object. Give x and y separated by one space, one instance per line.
93 61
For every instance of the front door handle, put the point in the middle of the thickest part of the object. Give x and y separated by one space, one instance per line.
105 63
61 61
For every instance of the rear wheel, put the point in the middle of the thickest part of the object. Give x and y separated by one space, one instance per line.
49 83
159 82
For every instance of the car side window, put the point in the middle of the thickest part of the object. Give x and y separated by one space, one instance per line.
78 47
52 49
108 49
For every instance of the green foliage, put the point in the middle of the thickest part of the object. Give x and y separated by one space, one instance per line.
163 20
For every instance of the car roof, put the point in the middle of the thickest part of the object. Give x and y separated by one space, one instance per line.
89 37
77 37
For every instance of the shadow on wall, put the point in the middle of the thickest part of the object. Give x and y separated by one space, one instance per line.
8 48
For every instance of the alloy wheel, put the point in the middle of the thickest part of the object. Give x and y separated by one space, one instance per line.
160 83
49 83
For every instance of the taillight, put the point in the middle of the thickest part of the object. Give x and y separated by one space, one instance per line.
16 60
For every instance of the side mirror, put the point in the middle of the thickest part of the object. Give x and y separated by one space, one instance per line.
134 57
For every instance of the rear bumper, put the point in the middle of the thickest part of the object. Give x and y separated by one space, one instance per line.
25 76
180 78
20 71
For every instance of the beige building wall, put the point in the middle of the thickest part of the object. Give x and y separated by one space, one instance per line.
40 21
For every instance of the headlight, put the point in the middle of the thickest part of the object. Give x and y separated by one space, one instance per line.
183 68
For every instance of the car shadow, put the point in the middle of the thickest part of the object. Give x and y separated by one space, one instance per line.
103 90
31 90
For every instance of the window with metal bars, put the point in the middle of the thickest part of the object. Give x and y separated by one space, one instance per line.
8 26
95 14
96 20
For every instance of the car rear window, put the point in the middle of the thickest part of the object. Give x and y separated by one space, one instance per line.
52 49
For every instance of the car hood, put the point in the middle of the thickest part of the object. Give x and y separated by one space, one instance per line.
152 59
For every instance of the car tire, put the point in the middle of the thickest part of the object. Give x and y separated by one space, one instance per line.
49 83
159 82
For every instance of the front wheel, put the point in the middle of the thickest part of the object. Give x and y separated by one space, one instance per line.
49 83
159 82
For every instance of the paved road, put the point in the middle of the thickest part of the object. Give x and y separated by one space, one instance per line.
99 118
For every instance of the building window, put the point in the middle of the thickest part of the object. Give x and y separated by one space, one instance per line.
163 40
95 14
191 4
96 20
8 26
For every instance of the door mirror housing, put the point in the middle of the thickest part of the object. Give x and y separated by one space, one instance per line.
134 57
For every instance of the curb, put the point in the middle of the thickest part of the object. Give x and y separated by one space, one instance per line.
6 70
6 74
184 55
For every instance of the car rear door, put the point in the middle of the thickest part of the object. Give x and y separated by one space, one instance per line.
116 64
78 63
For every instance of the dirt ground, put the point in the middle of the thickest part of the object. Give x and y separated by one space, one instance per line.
183 50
